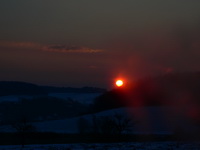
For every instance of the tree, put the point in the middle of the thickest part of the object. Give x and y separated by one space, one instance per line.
122 123
116 124
23 127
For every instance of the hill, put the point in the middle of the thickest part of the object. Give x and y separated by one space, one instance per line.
24 88
19 88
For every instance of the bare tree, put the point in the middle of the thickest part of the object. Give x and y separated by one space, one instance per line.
22 127
116 124
122 123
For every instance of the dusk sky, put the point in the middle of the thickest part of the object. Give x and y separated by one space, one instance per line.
91 42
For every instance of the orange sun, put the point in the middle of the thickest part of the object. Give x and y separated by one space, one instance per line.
119 83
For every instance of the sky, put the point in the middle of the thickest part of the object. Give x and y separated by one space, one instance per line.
91 42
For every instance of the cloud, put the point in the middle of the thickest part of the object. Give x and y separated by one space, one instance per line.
49 48
14 44
70 49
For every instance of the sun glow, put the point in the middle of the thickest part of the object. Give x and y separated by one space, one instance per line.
119 83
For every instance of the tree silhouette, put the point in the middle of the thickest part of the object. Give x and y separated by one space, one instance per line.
115 124
23 127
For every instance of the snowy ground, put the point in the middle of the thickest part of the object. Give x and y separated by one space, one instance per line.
150 120
111 146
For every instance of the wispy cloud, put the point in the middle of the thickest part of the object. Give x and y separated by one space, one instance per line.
49 48
13 44
70 49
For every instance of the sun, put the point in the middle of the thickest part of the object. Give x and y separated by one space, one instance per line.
119 83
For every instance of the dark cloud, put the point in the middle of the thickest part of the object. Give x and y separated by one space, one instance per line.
49 48
16 45
70 49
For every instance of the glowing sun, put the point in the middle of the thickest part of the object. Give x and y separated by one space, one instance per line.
119 83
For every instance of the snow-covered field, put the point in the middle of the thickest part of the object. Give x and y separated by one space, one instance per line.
150 120
111 146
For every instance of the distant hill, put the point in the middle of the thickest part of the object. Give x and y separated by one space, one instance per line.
19 88
24 88
52 89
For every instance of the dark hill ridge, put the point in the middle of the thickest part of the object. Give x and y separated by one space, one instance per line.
24 88
19 88
52 89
